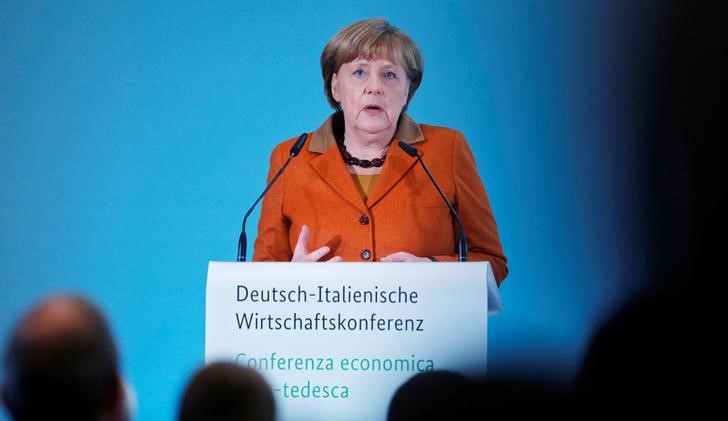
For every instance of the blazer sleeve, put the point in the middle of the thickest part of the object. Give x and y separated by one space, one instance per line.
272 243
473 207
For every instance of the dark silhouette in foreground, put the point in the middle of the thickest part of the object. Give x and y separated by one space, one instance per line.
62 363
653 357
438 395
226 391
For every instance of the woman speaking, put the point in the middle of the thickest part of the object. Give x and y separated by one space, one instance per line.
352 194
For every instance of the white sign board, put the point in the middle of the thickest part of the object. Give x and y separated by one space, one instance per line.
336 340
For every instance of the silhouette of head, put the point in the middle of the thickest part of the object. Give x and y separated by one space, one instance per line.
432 395
226 391
61 363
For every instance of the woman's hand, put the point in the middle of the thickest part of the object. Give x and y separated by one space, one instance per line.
403 256
301 254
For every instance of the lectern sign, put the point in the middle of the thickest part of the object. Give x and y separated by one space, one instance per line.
336 340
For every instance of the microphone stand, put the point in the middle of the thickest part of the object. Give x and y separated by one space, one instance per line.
462 241
243 239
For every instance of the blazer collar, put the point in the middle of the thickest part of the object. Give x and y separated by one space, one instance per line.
331 167
407 130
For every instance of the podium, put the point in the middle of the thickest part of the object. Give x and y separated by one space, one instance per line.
336 340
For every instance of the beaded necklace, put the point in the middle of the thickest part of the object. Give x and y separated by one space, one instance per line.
364 163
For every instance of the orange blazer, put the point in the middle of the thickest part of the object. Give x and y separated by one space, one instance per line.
404 211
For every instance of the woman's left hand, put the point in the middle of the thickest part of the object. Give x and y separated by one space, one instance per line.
403 256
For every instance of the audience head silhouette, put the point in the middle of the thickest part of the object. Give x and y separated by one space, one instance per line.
653 355
440 394
432 395
226 391
61 363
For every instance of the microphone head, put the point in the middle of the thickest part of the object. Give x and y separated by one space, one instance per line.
408 149
296 148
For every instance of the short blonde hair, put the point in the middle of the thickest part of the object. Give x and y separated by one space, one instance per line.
370 39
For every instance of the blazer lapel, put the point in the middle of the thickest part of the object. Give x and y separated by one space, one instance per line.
395 167
398 162
332 170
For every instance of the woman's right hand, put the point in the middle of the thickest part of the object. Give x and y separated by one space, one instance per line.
301 253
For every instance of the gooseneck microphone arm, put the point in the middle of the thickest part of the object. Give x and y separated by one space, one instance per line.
243 240
462 240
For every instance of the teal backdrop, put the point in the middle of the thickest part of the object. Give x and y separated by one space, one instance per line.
134 135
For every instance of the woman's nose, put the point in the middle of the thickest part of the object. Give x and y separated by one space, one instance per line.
374 86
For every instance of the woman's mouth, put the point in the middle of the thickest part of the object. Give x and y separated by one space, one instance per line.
373 109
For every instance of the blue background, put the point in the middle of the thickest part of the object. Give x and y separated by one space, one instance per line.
133 136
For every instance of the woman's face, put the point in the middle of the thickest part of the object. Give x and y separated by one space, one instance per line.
372 94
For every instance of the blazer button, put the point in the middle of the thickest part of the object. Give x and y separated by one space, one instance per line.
365 254
364 220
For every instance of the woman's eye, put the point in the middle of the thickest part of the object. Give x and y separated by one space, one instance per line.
390 75
358 73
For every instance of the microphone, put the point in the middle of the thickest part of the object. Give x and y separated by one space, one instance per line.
462 241
243 240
